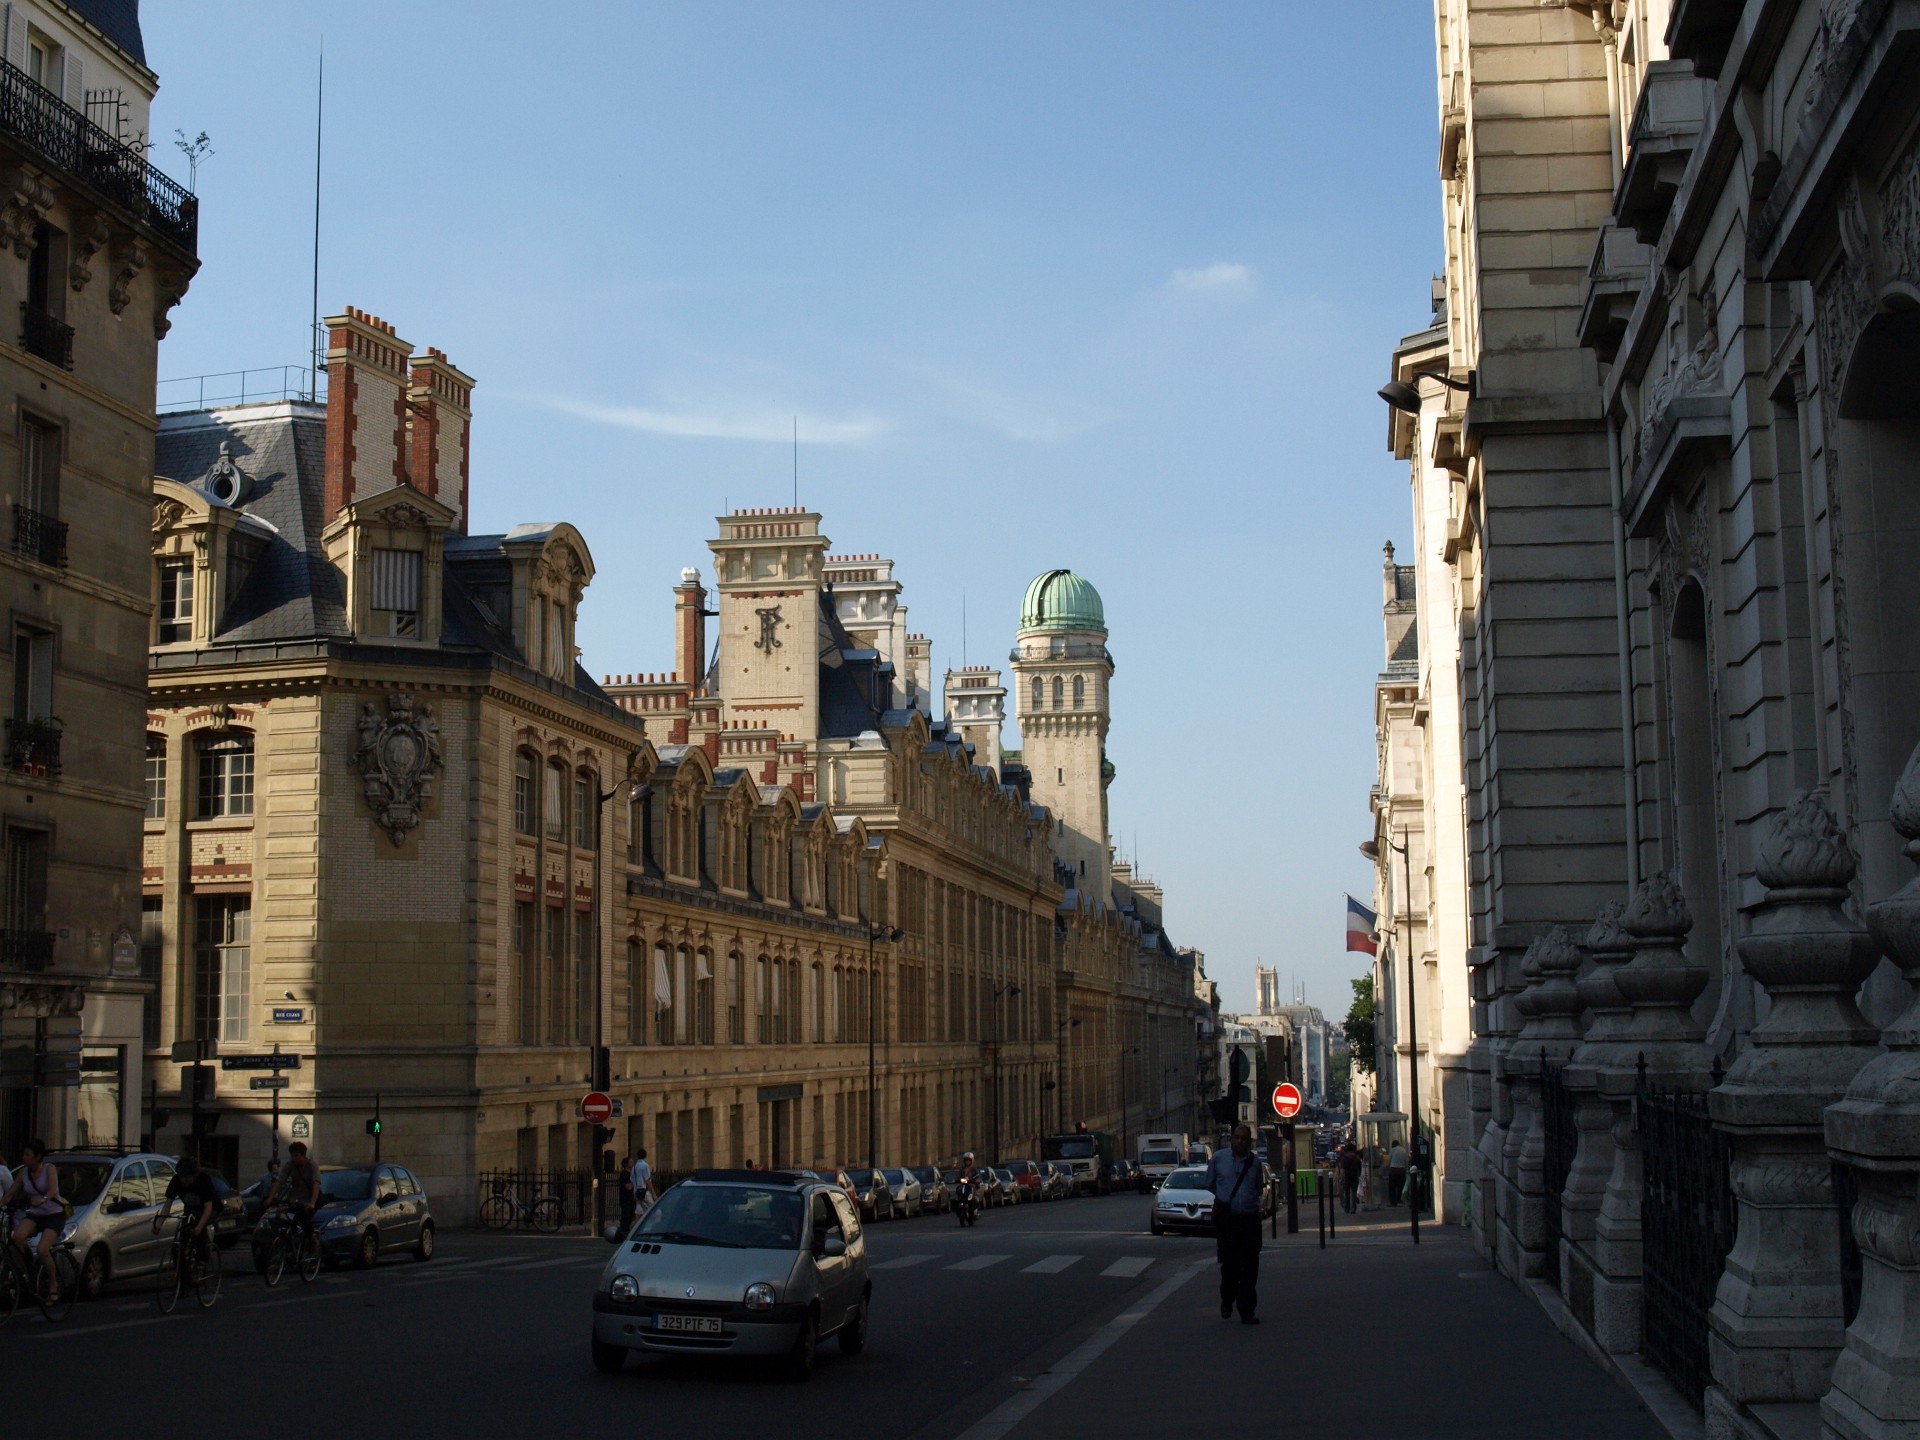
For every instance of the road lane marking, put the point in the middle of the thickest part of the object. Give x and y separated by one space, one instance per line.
1128 1266
1052 1265
901 1262
995 1424
979 1262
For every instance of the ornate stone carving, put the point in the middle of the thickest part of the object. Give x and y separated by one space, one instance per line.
769 640
1661 983
90 235
398 757
166 515
129 259
24 201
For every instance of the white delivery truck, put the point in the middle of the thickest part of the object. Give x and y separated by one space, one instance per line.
1160 1156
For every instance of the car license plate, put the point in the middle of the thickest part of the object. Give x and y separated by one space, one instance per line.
688 1324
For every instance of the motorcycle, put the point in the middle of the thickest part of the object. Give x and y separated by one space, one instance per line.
964 1204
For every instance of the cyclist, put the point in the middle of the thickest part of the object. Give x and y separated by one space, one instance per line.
299 1183
198 1197
36 1188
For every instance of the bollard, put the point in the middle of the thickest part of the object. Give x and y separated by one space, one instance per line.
1320 1194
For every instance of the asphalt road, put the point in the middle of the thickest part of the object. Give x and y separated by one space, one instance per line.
1044 1320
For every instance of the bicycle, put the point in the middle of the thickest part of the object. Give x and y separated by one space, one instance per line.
273 1250
504 1208
184 1264
24 1276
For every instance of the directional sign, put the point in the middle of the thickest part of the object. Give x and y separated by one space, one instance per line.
268 1082
260 1062
596 1107
1286 1100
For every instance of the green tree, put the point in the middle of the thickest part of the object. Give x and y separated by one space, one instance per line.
1359 1025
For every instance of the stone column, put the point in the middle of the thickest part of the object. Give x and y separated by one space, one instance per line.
1594 1114
1776 1323
1516 1083
1876 1131
1551 1033
1489 1188
1659 986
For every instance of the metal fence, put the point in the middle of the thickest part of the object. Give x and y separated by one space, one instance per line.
1687 1221
573 1189
1556 1124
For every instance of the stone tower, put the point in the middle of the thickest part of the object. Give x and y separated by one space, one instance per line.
976 701
768 569
1061 674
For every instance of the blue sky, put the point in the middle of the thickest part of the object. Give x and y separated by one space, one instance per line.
1104 286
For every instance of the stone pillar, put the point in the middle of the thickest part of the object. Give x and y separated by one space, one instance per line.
1516 1076
1659 986
1876 1131
1776 1323
1594 1114
1551 1033
1494 1100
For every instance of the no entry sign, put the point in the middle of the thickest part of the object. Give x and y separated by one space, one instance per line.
1286 1100
596 1107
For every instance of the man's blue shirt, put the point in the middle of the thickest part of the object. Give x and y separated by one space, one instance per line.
1224 1172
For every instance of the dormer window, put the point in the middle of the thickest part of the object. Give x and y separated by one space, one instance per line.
395 599
175 610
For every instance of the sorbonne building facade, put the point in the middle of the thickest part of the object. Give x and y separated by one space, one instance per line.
397 832
1677 315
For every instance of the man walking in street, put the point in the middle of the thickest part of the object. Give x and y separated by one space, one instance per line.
1396 1173
1350 1177
1233 1175
640 1179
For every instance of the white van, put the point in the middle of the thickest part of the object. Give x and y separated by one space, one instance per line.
1160 1156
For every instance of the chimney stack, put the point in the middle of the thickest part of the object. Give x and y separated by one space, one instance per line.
690 630
438 432
366 408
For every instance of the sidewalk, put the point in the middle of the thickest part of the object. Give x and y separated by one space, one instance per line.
1370 1339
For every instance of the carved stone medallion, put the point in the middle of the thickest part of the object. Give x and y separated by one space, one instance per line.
398 757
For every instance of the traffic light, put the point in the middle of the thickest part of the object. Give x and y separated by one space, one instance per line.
603 1141
1238 1066
602 1068
373 1126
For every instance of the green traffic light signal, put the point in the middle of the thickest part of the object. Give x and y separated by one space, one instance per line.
373 1127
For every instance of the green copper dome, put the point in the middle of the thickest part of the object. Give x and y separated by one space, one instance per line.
1061 600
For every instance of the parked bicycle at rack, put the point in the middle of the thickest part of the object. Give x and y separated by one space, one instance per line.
504 1208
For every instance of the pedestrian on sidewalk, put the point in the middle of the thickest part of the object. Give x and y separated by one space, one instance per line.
1350 1177
1396 1173
640 1178
1233 1175
626 1195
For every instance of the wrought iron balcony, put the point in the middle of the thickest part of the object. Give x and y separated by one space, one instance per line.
33 116
26 950
43 335
40 536
33 747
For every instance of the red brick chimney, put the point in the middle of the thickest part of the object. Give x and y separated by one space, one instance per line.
690 630
439 428
366 408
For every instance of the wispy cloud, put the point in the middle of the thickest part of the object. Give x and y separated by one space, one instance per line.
712 422
1219 277
1006 414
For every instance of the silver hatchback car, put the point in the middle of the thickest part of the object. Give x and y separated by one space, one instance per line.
737 1262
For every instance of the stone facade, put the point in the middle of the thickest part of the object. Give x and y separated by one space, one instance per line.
98 247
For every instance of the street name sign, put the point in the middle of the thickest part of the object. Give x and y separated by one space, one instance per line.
260 1062
1286 1100
268 1082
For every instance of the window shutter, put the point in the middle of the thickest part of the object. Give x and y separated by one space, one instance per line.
73 80
17 36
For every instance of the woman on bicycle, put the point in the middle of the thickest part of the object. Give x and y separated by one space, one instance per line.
36 1186
199 1198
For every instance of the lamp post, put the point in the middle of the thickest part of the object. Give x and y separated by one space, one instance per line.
892 936
1371 849
599 1062
1402 395
1002 990
1063 1042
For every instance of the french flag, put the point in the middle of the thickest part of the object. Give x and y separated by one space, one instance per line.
1360 925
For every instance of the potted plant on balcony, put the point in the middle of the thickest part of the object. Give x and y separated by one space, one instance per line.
33 746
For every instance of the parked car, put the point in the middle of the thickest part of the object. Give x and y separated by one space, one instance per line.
367 1211
934 1194
1127 1175
992 1188
1026 1175
114 1199
908 1198
1183 1203
1056 1180
873 1195
737 1262
834 1177
1012 1192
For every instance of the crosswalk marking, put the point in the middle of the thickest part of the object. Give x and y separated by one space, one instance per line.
901 1262
1052 1265
1128 1266
979 1262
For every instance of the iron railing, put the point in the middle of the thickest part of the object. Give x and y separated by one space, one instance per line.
1687 1220
39 536
572 1188
1845 1194
43 334
33 747
240 387
35 117
26 949
1556 1125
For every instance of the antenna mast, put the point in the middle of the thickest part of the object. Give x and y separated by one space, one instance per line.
319 117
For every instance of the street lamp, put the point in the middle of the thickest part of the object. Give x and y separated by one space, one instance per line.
1404 396
1063 1041
1002 990
892 936
1371 849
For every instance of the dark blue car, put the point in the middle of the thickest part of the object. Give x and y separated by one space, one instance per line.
367 1211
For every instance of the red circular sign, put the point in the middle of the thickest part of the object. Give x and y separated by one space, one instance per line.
1286 1100
597 1108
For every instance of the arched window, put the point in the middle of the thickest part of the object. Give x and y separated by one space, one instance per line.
556 798
1039 690
586 790
1059 691
640 827
526 794
703 998
736 998
226 775
1079 692
796 1003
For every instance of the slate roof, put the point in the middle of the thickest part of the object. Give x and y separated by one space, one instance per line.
118 20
